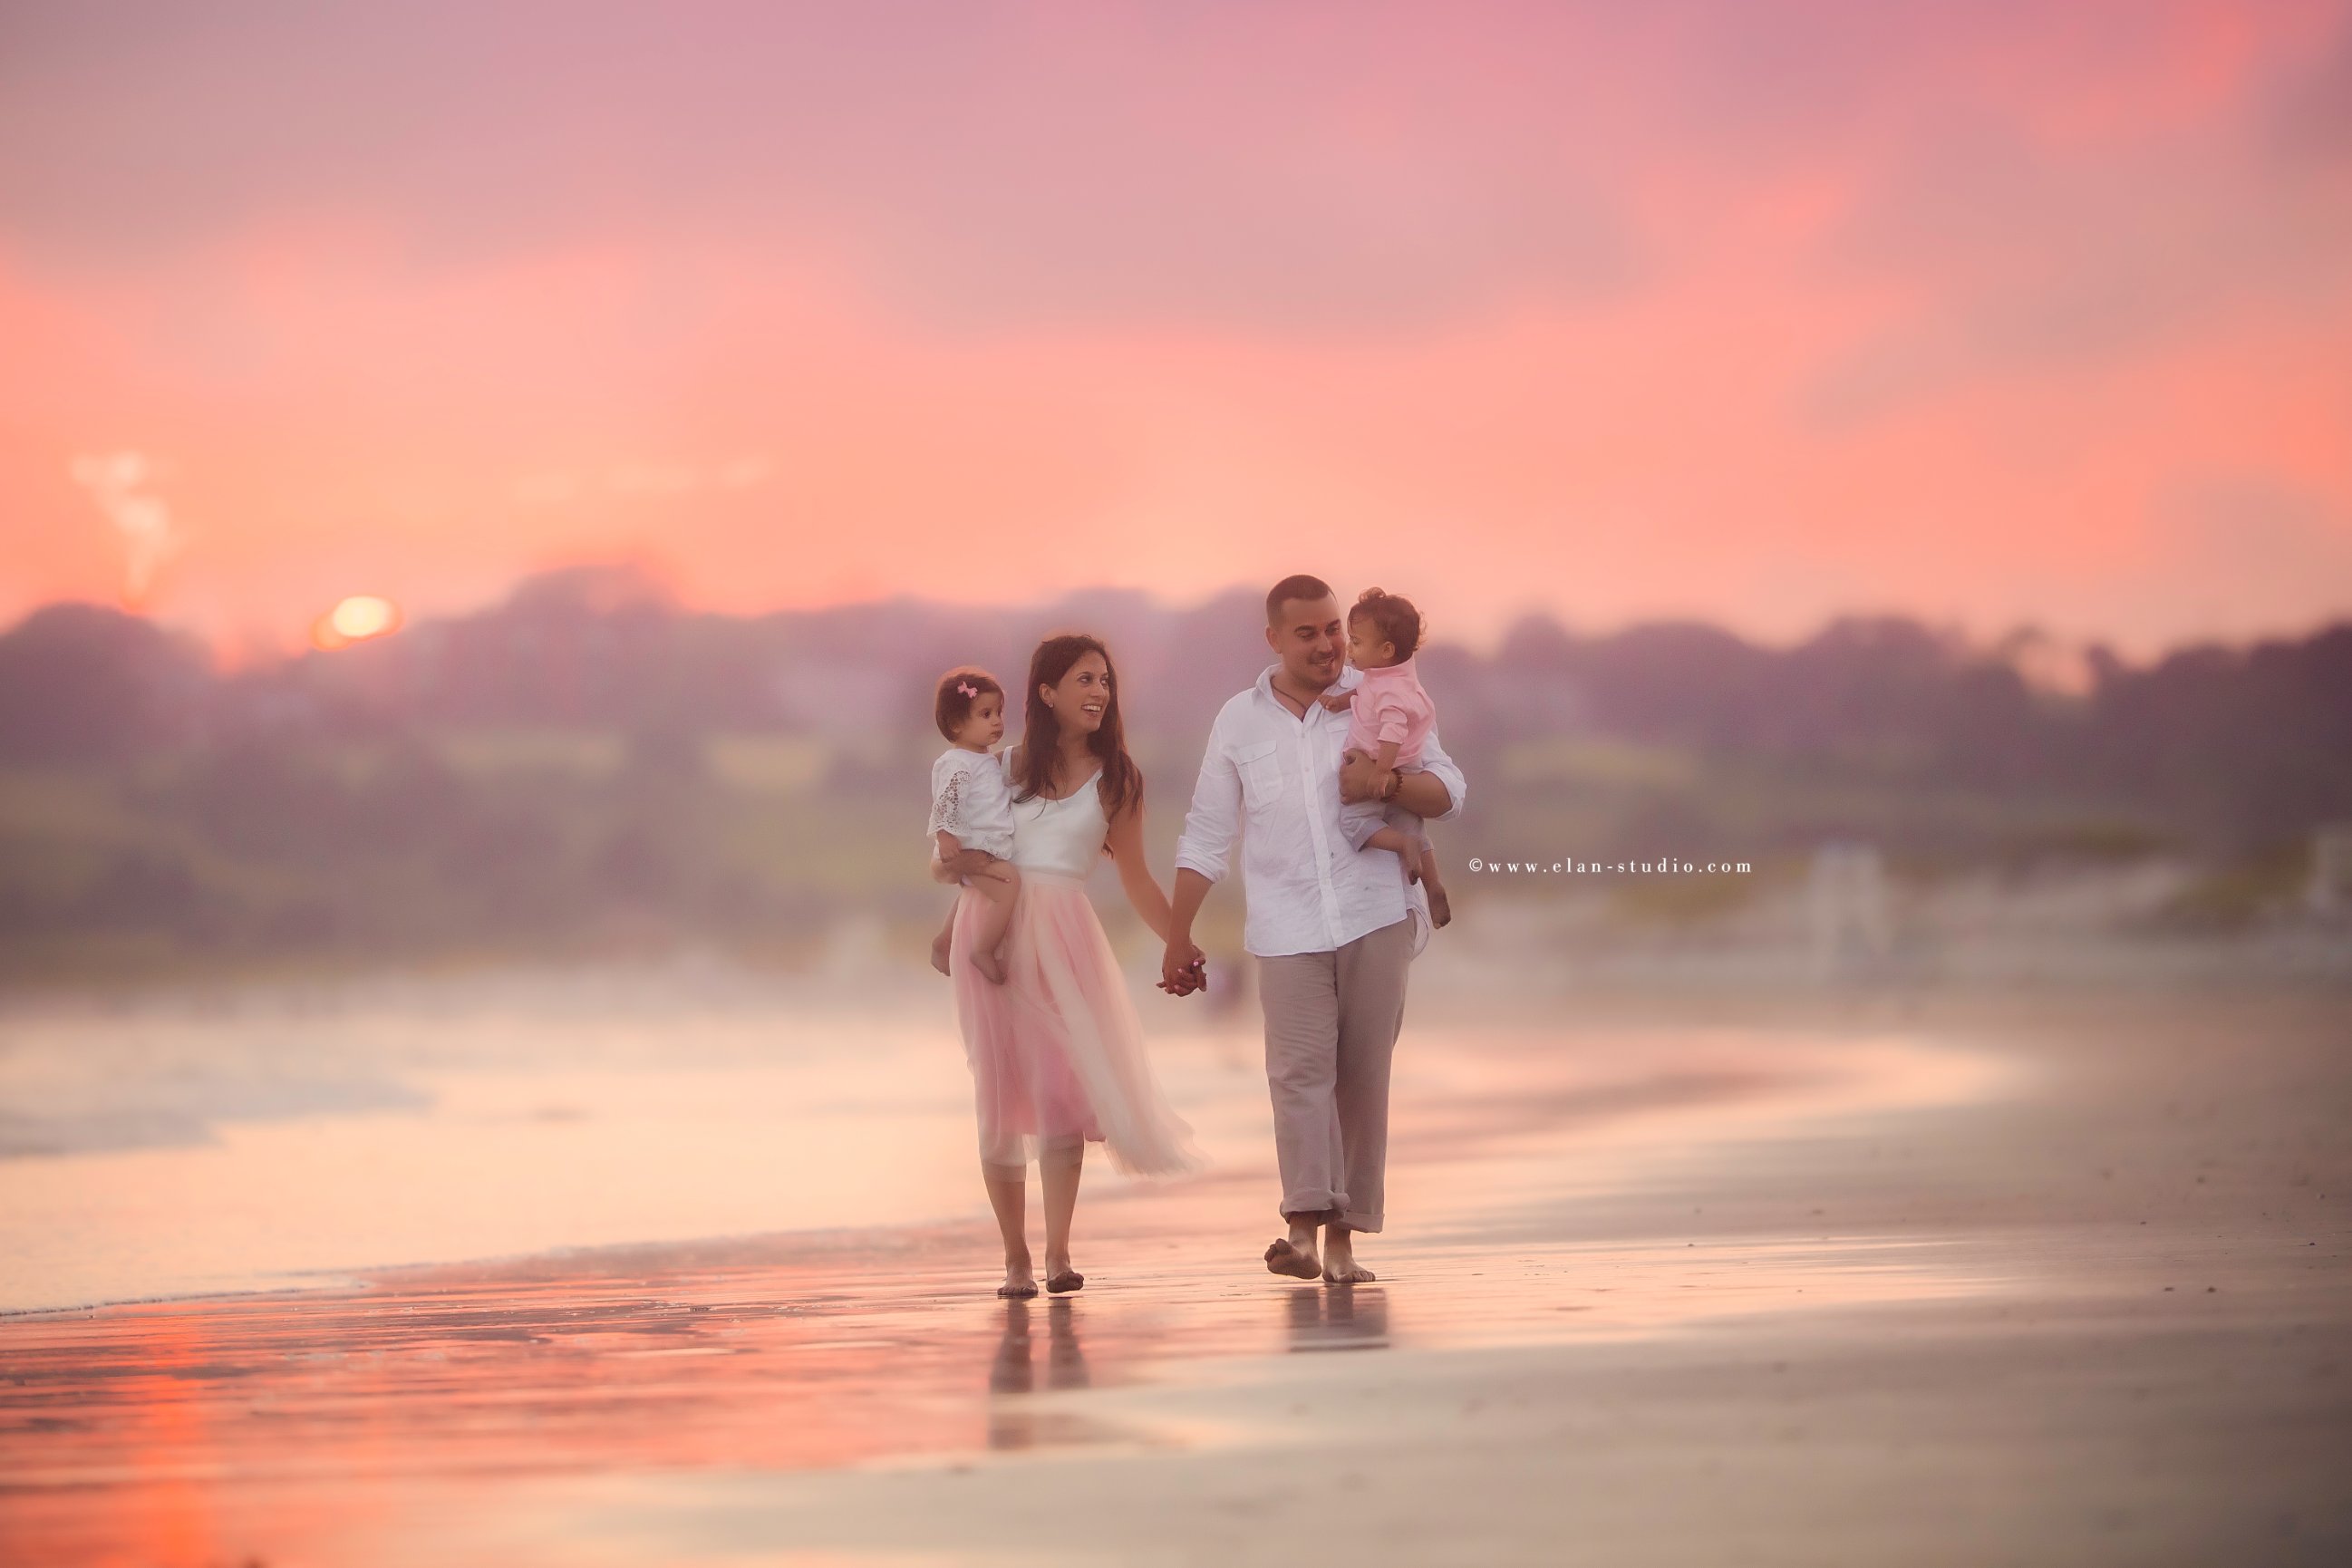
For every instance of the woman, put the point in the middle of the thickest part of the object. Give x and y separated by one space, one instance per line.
1057 1051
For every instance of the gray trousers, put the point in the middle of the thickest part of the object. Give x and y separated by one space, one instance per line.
1331 1022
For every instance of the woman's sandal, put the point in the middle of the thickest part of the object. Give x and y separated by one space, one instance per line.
1068 1279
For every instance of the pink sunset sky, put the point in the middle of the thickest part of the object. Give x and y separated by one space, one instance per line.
1755 313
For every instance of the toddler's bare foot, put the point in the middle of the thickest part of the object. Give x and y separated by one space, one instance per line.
940 952
1440 908
988 963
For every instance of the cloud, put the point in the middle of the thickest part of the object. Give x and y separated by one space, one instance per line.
1300 169
2241 554
555 487
1294 168
120 483
1705 307
2311 117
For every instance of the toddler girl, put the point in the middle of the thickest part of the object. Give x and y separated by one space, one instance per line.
1390 717
972 809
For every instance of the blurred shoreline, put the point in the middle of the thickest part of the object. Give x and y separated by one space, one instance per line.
108 1094
2100 1233
260 1137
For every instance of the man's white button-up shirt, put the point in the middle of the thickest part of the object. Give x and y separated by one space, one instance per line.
1274 777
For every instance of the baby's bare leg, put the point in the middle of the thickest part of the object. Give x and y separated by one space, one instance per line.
947 932
1398 844
947 848
1401 833
1420 859
1440 908
999 884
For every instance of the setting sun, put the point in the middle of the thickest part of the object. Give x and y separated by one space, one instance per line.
356 619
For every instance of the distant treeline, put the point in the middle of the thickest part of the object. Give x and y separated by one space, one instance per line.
2236 746
587 757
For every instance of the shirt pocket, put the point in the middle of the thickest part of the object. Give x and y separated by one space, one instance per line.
1261 771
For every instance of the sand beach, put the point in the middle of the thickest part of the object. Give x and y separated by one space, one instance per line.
2033 1276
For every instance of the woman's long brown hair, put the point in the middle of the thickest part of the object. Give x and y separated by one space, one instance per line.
1121 786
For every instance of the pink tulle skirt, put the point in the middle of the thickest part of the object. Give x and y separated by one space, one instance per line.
1057 1051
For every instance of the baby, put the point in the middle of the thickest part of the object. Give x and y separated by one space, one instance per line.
1391 716
972 809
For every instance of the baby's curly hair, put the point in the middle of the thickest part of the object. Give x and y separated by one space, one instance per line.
959 689
1395 618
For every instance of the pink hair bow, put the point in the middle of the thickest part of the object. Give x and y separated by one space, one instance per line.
967 688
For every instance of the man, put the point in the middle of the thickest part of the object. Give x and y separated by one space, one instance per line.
1333 928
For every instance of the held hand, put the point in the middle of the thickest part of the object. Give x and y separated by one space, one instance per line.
1183 968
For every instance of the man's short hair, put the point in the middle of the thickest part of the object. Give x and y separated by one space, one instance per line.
1300 586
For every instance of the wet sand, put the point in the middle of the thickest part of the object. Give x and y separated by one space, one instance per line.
2058 1278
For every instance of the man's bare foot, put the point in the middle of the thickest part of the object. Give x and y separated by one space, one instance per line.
1019 1281
940 952
1339 1265
988 963
1295 1254
1440 908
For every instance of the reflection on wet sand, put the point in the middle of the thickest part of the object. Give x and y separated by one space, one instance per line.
1014 1372
1337 1318
222 1423
286 1425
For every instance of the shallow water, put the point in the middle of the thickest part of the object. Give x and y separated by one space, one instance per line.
307 1423
282 1144
746 1240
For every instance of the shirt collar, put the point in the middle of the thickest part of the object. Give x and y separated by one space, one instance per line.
1349 679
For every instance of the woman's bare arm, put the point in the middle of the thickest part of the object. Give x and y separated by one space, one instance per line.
954 862
1126 852
966 862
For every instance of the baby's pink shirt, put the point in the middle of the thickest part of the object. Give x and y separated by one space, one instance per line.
1390 706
